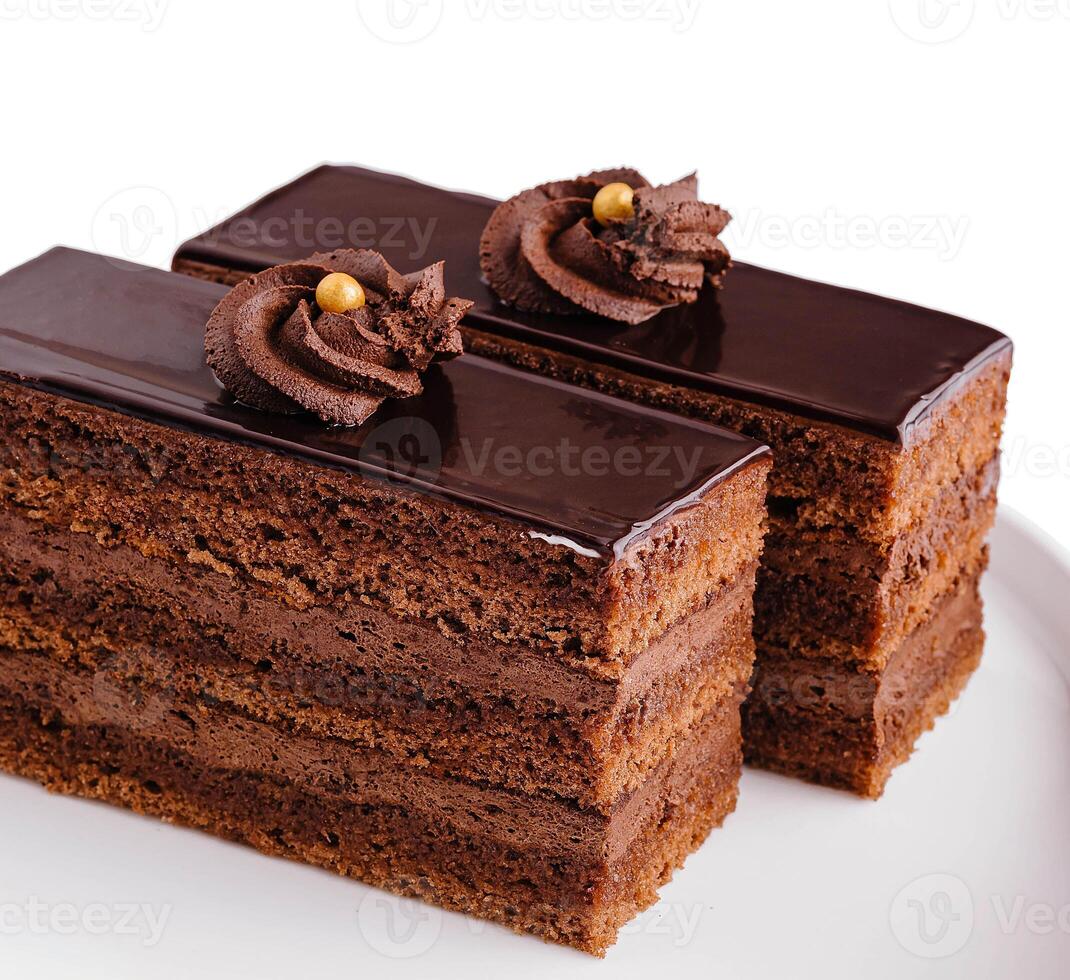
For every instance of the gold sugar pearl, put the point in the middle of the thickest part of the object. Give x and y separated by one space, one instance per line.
339 292
613 204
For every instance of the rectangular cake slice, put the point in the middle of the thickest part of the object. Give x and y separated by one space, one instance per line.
884 419
487 649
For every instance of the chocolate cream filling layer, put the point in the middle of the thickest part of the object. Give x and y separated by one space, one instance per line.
476 708
216 739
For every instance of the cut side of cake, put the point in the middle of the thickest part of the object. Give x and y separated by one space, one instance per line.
437 652
884 419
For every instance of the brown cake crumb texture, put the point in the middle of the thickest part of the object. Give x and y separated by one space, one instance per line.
389 685
869 542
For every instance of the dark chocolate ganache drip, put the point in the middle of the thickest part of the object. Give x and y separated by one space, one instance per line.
273 348
544 251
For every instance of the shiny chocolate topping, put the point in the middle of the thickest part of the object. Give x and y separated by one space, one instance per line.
273 348
569 466
545 251
863 361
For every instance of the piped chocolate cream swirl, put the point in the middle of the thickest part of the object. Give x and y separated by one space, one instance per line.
543 250
273 348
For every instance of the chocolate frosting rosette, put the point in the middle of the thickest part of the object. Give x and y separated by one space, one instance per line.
549 250
274 347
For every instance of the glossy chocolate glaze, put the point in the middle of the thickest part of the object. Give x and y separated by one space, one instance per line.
873 364
131 339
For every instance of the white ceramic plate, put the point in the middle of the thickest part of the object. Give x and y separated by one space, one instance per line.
961 870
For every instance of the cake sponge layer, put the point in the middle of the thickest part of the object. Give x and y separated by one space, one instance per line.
849 727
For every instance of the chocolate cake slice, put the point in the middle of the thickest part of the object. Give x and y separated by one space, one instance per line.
487 648
884 419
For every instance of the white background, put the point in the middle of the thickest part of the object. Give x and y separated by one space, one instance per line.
916 148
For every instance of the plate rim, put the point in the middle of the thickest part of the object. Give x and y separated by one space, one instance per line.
1035 567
